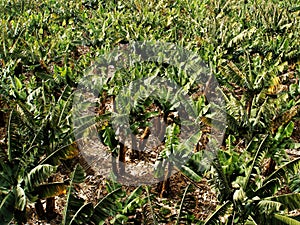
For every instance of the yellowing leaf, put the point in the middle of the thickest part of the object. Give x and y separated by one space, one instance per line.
275 87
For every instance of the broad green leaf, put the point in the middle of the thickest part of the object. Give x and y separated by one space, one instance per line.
20 202
289 201
6 206
191 174
39 175
83 214
213 219
285 220
107 206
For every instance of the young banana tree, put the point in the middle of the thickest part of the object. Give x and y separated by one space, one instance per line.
21 183
246 195
34 149
256 98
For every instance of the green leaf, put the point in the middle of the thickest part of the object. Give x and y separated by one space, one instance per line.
250 221
285 220
9 135
224 184
268 206
133 199
119 219
63 153
39 175
20 201
289 201
149 211
220 211
77 176
255 161
107 206
6 206
181 207
83 214
190 173
281 173
284 132
18 83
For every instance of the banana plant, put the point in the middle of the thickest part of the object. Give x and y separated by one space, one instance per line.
111 207
33 154
21 185
256 97
247 196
